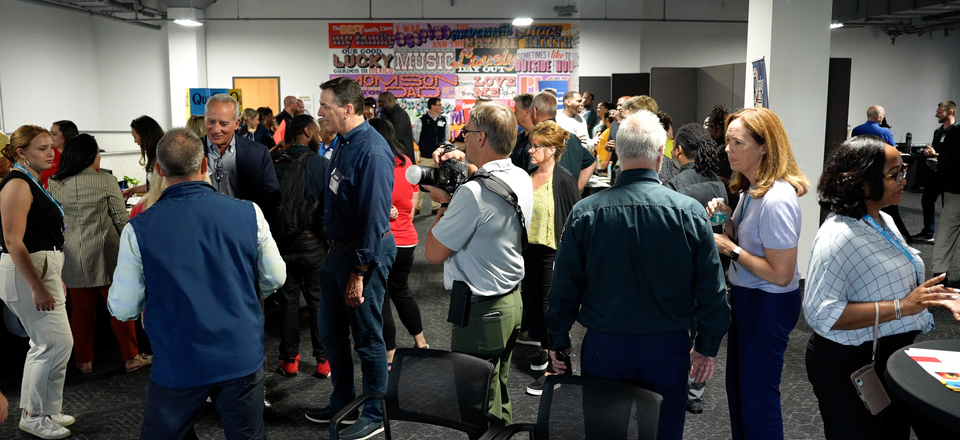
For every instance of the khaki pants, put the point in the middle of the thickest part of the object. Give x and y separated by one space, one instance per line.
427 162
51 342
491 334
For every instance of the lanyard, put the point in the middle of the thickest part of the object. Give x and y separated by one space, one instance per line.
23 170
896 244
743 208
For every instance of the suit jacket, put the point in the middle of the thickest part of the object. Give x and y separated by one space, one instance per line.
94 216
256 177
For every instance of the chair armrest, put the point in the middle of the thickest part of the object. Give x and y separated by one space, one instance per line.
351 407
510 430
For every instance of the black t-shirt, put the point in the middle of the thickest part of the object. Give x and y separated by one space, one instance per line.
44 229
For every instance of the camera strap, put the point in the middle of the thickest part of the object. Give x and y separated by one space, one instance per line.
500 188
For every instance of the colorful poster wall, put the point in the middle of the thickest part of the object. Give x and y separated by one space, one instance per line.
457 62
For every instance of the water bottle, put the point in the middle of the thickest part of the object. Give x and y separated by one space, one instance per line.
718 218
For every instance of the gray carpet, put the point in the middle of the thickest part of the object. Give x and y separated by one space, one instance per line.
108 403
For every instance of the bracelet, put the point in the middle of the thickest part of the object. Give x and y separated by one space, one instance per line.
358 272
896 307
445 204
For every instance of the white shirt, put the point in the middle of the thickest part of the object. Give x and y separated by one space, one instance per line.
483 232
851 262
577 126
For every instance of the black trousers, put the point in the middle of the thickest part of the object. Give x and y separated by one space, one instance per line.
829 366
931 191
398 292
303 260
537 279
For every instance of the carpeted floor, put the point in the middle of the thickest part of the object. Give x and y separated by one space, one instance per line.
108 403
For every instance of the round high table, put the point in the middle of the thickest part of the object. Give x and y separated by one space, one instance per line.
912 384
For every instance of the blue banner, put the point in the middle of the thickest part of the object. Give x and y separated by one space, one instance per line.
760 96
197 99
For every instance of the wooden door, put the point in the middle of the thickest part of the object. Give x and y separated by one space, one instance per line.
259 92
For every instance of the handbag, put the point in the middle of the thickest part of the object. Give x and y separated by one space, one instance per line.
866 381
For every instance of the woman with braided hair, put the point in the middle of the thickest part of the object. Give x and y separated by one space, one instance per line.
697 159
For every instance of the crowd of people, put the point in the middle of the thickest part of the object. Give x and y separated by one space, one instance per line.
707 218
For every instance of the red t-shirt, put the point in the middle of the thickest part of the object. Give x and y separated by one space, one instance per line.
44 175
404 232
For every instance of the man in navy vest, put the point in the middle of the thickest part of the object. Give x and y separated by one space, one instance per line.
356 221
431 130
203 312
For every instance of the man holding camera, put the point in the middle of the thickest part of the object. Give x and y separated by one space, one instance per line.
479 237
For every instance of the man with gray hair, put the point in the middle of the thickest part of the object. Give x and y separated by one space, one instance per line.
635 264
204 313
238 167
479 236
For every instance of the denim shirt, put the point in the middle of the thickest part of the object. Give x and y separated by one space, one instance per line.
638 258
356 204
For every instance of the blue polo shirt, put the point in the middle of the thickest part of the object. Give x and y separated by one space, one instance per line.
875 129
356 204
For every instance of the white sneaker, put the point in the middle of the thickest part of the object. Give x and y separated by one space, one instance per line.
63 419
43 427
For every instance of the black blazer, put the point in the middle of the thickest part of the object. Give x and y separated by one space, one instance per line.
256 178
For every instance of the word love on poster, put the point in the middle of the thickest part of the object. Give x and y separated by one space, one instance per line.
491 86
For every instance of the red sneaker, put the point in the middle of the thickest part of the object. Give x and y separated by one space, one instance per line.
323 368
289 367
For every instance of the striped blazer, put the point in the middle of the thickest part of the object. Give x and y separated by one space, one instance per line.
94 215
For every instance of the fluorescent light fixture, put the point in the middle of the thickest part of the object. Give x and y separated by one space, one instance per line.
188 22
836 25
189 17
522 21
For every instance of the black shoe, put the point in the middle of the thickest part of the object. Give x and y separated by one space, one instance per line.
695 407
923 237
536 388
524 339
325 414
540 361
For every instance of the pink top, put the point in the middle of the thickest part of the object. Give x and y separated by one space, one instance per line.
404 232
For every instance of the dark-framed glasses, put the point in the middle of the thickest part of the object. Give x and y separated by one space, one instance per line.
465 132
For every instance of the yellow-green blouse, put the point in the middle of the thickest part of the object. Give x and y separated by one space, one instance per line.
542 221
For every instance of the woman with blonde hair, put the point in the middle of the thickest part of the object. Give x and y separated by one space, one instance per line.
555 191
760 237
32 244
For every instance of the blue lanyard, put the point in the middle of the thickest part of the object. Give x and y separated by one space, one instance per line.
22 169
743 208
896 244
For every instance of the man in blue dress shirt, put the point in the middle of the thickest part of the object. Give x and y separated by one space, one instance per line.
875 115
356 214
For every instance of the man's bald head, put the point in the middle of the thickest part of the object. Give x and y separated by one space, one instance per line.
289 104
875 113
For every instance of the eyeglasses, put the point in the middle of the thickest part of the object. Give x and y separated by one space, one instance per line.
537 147
898 176
465 132
218 167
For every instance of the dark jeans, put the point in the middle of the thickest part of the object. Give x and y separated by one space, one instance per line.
364 323
659 362
303 261
537 279
171 412
931 191
759 332
398 292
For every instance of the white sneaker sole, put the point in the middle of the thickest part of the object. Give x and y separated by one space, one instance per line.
45 436
539 367
370 434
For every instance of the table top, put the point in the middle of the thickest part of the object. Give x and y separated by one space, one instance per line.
907 380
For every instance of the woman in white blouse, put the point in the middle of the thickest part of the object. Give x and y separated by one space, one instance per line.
859 259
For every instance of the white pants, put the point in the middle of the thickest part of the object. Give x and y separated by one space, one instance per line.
51 342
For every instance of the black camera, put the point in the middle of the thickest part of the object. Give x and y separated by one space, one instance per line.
448 177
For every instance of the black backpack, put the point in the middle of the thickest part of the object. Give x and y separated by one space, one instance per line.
294 216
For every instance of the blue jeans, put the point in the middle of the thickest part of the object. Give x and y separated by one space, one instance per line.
337 322
759 331
171 412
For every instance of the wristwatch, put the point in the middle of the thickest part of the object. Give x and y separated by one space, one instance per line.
358 272
735 254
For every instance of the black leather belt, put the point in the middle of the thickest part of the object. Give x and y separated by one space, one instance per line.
350 244
479 298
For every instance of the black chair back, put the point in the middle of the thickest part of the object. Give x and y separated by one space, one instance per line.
439 388
578 407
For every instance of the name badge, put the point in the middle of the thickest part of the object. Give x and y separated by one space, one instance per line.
440 124
943 137
335 177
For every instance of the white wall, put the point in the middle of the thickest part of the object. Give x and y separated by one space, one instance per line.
908 79
685 44
609 47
